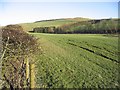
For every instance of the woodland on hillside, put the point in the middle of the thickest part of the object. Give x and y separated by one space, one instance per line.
103 26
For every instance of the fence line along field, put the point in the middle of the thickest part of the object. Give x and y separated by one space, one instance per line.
77 61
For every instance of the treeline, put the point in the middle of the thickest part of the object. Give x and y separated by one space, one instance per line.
57 30
103 26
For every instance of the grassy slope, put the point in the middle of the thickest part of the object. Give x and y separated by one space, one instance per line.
77 61
57 22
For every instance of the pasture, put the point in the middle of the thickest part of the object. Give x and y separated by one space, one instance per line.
77 61
52 22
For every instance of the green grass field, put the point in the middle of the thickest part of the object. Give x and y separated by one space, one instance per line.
77 61
56 23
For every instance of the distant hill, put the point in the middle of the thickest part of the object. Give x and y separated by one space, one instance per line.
94 26
72 25
52 22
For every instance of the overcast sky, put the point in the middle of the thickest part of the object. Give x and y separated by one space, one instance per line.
12 12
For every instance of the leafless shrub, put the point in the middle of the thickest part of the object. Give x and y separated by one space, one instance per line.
17 47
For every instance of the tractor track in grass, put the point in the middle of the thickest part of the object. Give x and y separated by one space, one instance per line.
68 66
98 47
94 46
99 54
